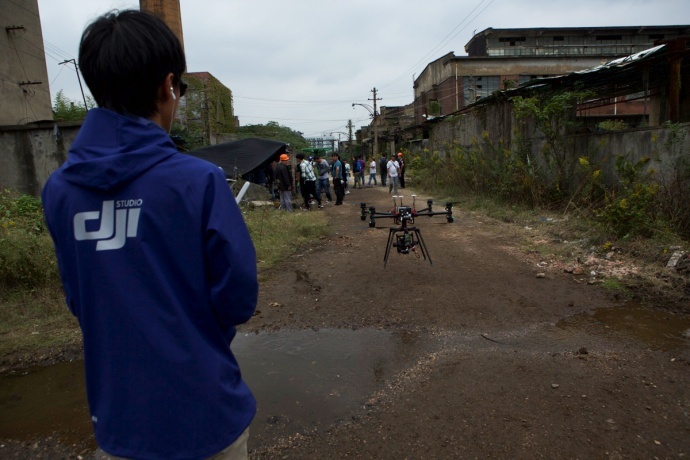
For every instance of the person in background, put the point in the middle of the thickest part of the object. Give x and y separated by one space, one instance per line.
337 171
312 162
356 170
383 161
299 181
372 171
284 183
346 174
323 168
393 168
362 167
154 256
270 174
401 176
307 181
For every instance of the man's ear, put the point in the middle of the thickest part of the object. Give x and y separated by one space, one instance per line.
166 89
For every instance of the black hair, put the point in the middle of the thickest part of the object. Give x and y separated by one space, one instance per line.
124 58
300 156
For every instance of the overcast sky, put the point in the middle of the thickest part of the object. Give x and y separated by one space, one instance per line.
302 63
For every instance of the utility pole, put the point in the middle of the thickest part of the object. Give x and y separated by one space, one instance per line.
376 128
76 69
349 137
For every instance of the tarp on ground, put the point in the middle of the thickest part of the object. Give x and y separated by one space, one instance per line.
249 158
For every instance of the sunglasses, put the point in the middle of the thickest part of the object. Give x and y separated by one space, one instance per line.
183 88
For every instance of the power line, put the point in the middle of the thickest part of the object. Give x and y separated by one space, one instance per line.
295 102
442 43
307 120
56 49
23 7
76 70
56 76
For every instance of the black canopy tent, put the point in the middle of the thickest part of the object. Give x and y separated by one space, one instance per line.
249 159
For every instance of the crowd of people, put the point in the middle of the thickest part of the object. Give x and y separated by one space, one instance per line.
313 175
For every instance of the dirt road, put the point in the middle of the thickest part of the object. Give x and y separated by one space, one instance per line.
525 362
507 354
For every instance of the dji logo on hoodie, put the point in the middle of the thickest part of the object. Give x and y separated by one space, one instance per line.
115 227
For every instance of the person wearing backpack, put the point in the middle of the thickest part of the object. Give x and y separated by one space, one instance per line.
356 168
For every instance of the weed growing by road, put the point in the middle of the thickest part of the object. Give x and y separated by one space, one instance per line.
33 314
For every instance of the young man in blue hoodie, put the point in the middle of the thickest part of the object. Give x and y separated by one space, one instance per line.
156 261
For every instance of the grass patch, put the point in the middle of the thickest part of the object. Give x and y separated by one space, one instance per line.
34 320
630 267
276 234
33 314
613 284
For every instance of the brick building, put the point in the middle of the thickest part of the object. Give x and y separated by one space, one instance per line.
168 11
502 58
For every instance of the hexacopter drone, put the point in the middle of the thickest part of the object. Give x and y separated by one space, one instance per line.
403 237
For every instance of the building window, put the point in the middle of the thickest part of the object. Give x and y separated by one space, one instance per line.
559 38
609 38
475 88
656 36
511 40
434 108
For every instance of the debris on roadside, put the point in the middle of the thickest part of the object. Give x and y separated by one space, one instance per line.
678 260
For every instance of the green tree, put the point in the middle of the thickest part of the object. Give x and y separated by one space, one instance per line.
554 116
65 109
273 130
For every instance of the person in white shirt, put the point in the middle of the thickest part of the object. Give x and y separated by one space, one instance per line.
393 168
347 175
372 171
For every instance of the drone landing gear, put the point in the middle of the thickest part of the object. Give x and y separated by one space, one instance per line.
406 239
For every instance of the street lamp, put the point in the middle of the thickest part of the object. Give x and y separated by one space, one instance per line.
369 108
372 112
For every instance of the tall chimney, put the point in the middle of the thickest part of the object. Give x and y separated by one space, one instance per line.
168 11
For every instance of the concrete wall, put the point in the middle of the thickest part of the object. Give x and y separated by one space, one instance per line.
24 88
492 126
28 155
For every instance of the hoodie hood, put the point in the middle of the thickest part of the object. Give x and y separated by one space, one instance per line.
112 149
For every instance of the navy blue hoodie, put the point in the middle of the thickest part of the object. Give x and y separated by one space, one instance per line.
158 267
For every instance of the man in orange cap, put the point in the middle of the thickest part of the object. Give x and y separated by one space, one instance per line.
284 183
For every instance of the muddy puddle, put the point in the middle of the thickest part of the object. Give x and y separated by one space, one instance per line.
658 330
308 380
304 379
